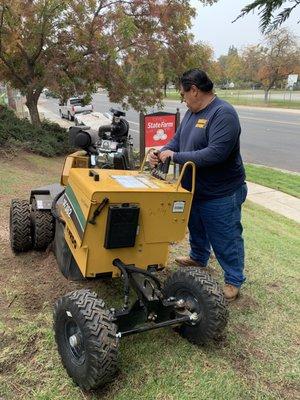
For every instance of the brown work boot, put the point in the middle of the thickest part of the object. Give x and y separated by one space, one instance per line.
230 292
188 262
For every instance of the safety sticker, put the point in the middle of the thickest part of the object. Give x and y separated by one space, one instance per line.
129 182
132 182
178 206
147 182
39 204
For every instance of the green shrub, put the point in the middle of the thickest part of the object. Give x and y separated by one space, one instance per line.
48 140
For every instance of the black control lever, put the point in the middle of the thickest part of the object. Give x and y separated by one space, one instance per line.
162 168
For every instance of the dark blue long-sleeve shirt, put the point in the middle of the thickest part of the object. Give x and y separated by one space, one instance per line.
211 139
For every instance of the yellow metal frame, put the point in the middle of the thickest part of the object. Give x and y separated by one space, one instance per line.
159 225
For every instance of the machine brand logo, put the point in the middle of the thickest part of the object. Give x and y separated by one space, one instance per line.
67 207
73 210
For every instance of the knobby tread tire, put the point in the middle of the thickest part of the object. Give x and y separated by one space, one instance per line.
20 226
43 228
209 295
99 333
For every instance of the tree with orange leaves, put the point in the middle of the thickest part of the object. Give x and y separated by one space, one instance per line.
72 46
272 61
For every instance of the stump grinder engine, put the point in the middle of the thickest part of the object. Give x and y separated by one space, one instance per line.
112 224
110 147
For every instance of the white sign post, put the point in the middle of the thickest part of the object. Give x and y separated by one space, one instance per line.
292 79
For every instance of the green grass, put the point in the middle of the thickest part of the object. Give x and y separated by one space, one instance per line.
258 359
237 98
283 181
22 172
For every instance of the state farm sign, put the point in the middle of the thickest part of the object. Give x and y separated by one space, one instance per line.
159 129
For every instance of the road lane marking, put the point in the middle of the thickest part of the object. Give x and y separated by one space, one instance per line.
242 117
271 120
248 113
131 122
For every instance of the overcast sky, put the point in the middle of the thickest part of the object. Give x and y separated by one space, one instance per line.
213 25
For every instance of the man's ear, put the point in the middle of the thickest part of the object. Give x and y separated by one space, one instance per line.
194 89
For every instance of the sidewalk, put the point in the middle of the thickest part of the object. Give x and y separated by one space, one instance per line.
51 116
279 202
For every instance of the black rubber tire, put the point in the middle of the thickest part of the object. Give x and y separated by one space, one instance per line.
43 227
20 226
207 299
94 363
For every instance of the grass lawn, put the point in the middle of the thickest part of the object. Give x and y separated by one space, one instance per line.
258 359
283 181
246 98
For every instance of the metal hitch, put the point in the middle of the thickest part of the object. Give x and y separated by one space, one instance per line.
151 310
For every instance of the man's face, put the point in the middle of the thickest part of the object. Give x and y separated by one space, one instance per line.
192 98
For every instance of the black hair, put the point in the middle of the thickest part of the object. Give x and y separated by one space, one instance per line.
196 77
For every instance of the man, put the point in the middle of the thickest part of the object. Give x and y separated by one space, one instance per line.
209 136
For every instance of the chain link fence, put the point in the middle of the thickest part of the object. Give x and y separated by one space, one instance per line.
282 97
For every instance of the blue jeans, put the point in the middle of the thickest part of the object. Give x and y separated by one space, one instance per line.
217 224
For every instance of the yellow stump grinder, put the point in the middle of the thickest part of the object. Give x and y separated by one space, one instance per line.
110 223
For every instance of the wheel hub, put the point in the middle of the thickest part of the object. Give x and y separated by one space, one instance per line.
188 301
74 341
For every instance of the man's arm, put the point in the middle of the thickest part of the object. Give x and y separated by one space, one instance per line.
167 150
174 142
171 147
224 133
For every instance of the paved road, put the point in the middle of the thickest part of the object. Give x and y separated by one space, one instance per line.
269 137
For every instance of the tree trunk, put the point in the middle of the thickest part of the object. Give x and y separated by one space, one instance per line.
165 89
10 97
266 95
31 103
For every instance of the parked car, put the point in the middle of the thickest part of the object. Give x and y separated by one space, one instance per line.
228 85
93 119
72 107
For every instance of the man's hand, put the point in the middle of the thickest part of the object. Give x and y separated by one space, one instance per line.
165 154
153 158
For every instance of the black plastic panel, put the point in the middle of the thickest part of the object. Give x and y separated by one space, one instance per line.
121 227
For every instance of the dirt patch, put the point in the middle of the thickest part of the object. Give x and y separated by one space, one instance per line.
33 276
10 363
244 332
4 234
20 162
287 391
245 301
274 287
43 283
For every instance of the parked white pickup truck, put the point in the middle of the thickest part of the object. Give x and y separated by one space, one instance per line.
94 120
73 106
